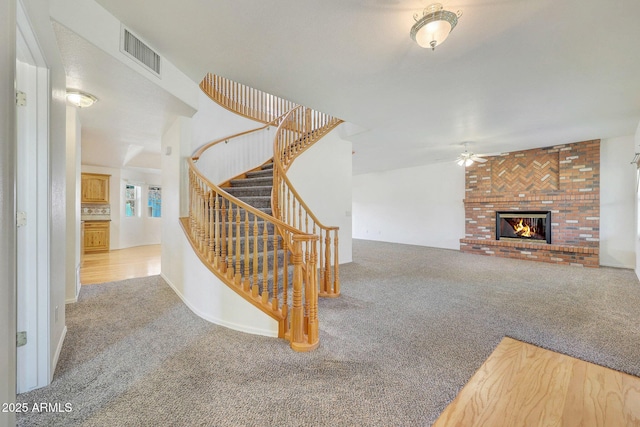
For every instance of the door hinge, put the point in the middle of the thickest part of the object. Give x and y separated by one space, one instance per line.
21 99
21 338
21 219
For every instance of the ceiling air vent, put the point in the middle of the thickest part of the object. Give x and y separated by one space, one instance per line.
138 50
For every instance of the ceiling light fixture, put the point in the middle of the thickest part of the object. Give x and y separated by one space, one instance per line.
80 99
434 26
466 158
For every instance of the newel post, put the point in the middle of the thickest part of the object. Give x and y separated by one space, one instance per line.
299 341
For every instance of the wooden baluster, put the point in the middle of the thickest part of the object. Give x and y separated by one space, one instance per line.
238 252
247 273
194 208
284 306
312 298
322 265
307 120
274 284
259 108
201 215
234 96
230 93
223 242
290 215
204 242
265 267
255 289
306 230
327 260
336 275
211 237
216 247
191 219
285 269
230 254
297 314
243 99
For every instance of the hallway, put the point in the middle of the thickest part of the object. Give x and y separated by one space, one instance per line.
129 263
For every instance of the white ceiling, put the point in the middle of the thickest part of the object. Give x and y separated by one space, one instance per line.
123 129
514 74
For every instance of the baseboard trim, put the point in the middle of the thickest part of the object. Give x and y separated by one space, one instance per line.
217 321
56 356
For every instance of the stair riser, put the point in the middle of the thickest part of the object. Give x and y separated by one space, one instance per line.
249 191
252 182
260 261
263 202
270 228
261 174
251 242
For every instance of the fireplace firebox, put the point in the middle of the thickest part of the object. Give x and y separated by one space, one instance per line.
530 226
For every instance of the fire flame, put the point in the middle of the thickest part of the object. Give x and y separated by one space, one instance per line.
523 230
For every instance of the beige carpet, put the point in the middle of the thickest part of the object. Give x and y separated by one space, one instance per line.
411 327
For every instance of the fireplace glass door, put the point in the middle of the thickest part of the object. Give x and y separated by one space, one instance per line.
533 226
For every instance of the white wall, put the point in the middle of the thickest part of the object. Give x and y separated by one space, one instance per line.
322 176
200 289
128 232
617 202
420 205
637 203
73 203
7 209
102 29
213 122
424 205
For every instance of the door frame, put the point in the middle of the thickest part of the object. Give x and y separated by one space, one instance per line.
33 369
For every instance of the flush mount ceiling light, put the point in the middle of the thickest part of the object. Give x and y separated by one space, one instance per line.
80 99
434 26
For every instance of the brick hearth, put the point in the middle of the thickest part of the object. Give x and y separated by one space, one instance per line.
563 179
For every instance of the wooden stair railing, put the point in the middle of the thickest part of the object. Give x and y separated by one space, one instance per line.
300 129
244 100
268 262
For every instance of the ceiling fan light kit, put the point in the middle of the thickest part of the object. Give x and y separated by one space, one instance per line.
467 159
434 26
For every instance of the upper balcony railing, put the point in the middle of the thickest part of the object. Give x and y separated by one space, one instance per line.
244 100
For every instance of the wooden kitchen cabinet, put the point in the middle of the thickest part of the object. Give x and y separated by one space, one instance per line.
95 188
96 236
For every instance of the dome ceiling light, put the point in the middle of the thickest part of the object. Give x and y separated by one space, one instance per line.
80 99
434 26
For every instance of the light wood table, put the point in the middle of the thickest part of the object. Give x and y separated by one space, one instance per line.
524 385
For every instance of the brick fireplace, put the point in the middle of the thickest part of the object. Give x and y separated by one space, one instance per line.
563 180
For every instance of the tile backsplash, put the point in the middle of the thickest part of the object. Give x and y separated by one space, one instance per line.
95 212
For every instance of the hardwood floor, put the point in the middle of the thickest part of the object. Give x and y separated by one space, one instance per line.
139 261
524 385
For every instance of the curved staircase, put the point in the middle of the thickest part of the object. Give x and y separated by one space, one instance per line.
254 232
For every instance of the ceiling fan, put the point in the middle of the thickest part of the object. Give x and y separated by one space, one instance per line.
466 158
